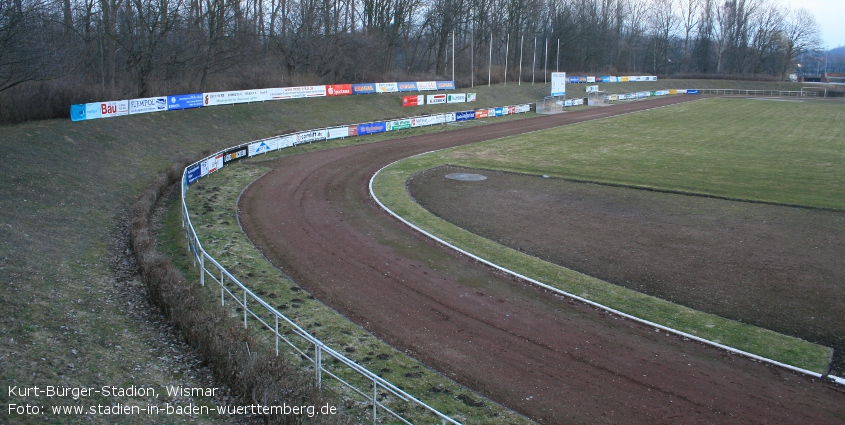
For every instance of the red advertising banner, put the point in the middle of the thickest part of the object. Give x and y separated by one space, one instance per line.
339 90
353 130
412 100
480 113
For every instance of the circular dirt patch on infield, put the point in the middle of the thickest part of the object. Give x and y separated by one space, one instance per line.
776 267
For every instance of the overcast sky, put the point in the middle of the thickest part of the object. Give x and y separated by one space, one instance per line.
830 14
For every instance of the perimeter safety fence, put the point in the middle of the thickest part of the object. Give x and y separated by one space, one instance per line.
284 329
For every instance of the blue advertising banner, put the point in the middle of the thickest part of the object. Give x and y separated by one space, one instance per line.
77 112
372 128
445 85
408 86
605 79
184 101
499 112
193 174
368 88
693 91
465 115
574 79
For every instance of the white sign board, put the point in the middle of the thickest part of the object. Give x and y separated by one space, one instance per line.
558 84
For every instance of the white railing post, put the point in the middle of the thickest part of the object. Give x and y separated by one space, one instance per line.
277 335
202 270
245 308
318 365
375 401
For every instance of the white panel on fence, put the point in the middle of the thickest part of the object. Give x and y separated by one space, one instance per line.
149 104
114 108
286 141
281 93
311 136
424 121
263 146
337 132
558 84
591 79
387 87
426 85
456 98
232 97
435 99
449 117
211 164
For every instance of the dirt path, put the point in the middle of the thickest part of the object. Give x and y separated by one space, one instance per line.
552 360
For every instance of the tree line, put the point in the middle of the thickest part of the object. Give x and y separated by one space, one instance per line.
76 51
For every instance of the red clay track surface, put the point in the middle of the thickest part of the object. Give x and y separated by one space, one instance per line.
553 360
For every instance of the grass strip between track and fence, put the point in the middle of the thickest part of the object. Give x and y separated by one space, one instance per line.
389 187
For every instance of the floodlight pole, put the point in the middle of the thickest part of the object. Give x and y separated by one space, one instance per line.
507 52
490 61
534 61
453 56
521 40
546 63
472 56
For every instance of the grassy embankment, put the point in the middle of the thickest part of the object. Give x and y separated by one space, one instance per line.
65 186
778 152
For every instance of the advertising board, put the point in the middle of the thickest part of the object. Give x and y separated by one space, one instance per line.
193 174
456 98
435 99
339 90
407 86
591 79
367 88
337 133
696 91
428 120
449 117
413 100
311 136
558 84
285 141
592 89
372 128
573 80
353 130
149 104
113 109
77 112
471 97
464 116
282 93
184 101
235 153
263 146
398 125
233 97
387 87
211 164
426 85
480 113
445 85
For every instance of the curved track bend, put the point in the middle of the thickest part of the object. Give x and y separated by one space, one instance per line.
552 360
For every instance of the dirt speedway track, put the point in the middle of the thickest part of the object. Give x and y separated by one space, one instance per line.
554 361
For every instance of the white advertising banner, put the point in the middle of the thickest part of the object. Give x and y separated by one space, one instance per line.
232 97
471 97
523 108
577 102
282 93
211 164
558 84
592 89
263 146
426 85
114 108
337 132
456 98
435 99
149 104
387 87
311 136
424 121
286 141
449 117
591 79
